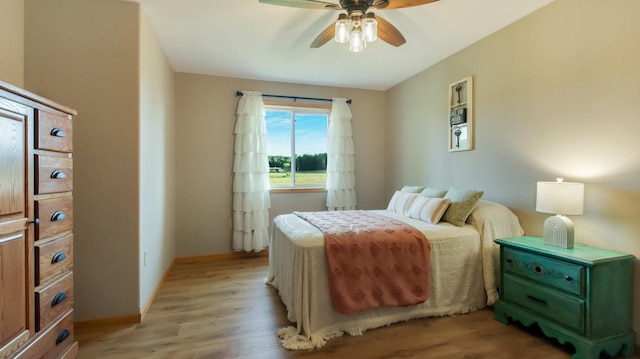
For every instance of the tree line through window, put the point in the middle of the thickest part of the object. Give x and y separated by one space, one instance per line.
297 146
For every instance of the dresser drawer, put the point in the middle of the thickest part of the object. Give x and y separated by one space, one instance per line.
70 353
54 174
54 132
558 274
53 300
53 258
54 341
55 215
557 306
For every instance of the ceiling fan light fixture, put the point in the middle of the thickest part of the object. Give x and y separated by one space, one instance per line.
343 27
356 43
356 17
369 28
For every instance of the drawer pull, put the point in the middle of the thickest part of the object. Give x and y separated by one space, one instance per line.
535 299
62 336
57 132
58 216
36 221
509 260
58 174
58 257
568 278
58 298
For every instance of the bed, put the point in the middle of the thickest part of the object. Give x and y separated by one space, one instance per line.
463 274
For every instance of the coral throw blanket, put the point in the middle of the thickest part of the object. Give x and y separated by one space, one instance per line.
372 260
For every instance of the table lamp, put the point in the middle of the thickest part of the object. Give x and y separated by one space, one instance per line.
561 198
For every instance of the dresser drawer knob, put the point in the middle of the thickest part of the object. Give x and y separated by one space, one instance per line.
568 278
58 132
509 260
58 298
62 336
58 174
58 257
58 216
538 269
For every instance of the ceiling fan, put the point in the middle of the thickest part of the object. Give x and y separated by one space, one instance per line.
357 26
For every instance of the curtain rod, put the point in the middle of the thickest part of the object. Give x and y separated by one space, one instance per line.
239 93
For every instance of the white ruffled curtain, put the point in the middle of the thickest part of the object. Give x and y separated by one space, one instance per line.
341 178
251 186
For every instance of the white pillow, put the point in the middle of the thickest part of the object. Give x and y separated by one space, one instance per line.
413 189
429 209
401 202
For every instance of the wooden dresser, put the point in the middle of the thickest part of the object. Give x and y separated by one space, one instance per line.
580 295
36 227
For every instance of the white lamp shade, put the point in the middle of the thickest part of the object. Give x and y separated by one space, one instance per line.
565 198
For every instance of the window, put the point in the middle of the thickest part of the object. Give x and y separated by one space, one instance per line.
297 146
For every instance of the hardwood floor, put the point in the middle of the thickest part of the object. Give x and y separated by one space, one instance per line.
223 309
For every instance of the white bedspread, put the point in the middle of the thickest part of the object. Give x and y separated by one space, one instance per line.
462 271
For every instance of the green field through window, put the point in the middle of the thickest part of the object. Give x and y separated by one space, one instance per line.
311 179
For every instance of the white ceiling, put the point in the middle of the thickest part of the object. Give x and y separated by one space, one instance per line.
248 39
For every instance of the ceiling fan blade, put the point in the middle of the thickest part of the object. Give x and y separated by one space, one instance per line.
399 4
324 37
305 4
388 33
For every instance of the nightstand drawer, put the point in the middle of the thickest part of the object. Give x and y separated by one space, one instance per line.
558 274
554 305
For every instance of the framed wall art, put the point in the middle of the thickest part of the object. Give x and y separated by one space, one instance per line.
461 115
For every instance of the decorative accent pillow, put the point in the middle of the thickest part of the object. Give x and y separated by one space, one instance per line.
462 203
434 192
412 189
401 202
428 209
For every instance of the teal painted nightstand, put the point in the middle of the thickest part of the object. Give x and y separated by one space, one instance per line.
580 295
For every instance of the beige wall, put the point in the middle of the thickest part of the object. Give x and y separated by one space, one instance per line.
12 40
157 168
102 58
205 109
556 96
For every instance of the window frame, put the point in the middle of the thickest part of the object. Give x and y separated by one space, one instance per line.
299 107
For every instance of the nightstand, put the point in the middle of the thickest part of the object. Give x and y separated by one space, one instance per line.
580 295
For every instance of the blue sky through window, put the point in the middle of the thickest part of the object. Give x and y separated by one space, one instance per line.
310 136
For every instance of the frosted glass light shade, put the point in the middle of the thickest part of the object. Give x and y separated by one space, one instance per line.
369 28
343 27
356 43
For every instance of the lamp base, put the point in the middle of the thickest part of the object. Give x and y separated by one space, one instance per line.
558 232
